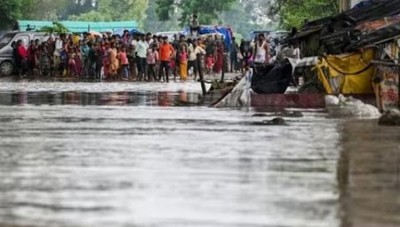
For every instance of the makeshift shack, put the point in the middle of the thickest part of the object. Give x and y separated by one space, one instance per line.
358 51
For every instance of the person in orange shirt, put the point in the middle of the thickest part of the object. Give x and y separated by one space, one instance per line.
166 54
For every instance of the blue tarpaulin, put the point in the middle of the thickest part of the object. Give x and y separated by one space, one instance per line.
209 29
363 4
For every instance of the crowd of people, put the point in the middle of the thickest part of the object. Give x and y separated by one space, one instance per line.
142 57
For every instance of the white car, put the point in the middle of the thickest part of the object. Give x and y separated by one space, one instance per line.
169 34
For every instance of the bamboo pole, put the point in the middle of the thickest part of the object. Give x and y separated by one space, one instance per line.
201 76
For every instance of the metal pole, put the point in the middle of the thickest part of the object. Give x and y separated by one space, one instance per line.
200 68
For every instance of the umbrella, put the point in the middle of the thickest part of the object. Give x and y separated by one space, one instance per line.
94 33
135 32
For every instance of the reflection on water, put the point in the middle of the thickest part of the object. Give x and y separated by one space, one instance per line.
369 175
103 98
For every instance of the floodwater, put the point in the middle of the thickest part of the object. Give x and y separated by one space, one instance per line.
148 155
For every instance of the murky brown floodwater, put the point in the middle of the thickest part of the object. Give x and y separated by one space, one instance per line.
122 154
369 175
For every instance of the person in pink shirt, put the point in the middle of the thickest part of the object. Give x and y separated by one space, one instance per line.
123 59
152 61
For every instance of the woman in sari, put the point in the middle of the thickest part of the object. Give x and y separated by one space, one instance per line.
183 63
114 64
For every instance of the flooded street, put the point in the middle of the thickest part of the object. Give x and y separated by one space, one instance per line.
123 154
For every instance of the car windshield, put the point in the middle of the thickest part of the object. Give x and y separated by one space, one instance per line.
4 40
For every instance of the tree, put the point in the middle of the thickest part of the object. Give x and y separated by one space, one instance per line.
153 24
245 17
293 13
207 10
115 10
44 9
91 16
57 28
11 11
78 7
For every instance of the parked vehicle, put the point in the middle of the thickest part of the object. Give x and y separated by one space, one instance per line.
7 63
169 34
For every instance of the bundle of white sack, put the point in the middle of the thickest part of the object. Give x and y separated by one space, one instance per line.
341 106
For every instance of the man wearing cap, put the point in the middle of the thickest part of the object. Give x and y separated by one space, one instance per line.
166 54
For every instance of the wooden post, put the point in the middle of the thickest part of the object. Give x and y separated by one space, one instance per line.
223 69
398 87
201 76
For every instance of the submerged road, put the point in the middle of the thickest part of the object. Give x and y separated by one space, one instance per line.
120 154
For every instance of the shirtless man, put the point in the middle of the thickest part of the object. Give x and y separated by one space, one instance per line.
194 25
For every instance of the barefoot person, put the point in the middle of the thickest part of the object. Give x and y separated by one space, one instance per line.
183 63
166 54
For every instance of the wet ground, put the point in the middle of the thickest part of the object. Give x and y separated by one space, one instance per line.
126 154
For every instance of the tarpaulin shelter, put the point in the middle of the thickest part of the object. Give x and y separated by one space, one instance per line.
80 26
225 31
347 73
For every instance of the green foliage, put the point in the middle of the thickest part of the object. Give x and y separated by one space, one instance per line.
11 11
208 11
293 13
78 7
91 16
43 9
57 28
153 24
115 10
243 20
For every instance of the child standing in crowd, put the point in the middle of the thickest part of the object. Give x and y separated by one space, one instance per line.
72 69
152 59
110 56
209 64
124 63
183 62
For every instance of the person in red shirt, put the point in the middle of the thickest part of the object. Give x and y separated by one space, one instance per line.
166 54
22 58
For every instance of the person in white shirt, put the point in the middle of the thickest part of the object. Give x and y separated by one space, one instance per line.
141 51
194 50
261 50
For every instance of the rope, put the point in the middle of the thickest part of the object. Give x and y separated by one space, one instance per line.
344 73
